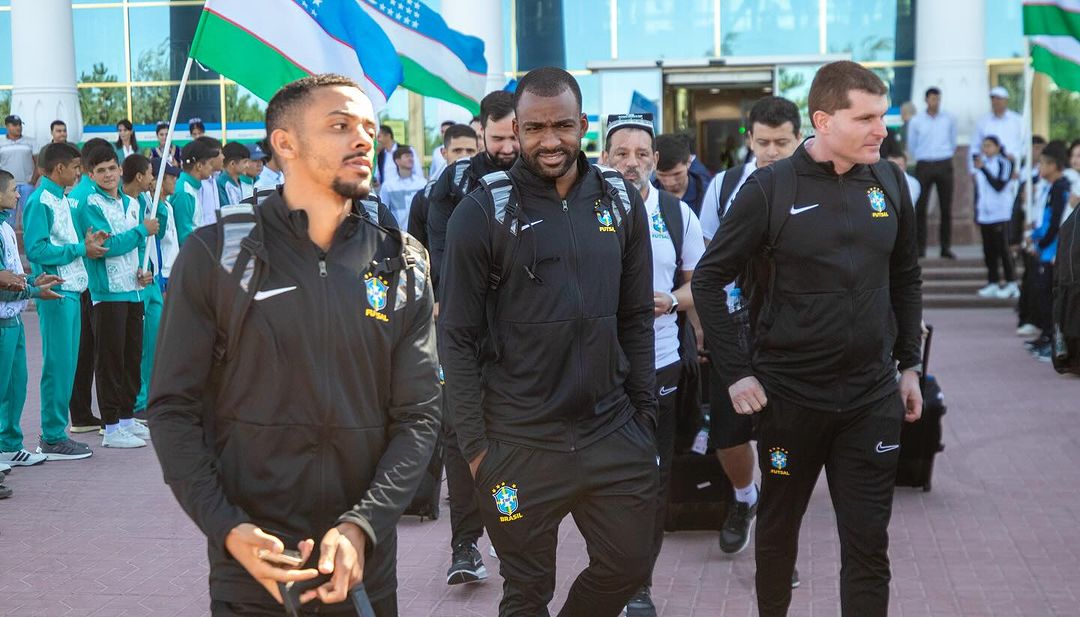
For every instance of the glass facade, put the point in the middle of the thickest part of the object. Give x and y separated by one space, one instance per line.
129 54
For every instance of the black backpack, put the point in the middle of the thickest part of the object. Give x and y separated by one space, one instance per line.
510 220
727 187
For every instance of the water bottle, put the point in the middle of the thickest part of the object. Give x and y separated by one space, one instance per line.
701 440
740 314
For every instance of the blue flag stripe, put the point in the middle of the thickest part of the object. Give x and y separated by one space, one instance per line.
348 23
430 24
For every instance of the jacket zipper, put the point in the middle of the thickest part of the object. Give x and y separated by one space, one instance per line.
324 436
580 321
850 282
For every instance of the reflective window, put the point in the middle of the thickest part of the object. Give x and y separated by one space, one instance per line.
587 28
867 29
99 45
243 106
650 29
793 83
768 27
151 104
103 105
160 38
1004 29
5 48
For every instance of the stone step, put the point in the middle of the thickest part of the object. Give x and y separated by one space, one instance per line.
954 274
962 262
965 300
950 286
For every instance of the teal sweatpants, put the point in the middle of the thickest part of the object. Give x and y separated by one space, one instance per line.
61 328
12 385
152 306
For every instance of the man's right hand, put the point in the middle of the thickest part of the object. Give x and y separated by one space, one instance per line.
475 463
747 396
94 244
244 543
152 225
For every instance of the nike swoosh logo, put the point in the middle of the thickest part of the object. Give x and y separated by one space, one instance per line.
795 210
882 448
270 293
524 227
666 391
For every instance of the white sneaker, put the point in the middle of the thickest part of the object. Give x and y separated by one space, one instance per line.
22 458
1010 290
1027 330
121 438
138 430
990 291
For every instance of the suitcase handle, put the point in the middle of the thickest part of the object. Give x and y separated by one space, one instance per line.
926 354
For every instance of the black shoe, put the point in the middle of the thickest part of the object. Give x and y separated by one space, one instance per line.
735 534
795 579
466 565
641 604
947 254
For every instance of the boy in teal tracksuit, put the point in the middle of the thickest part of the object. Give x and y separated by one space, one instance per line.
139 181
196 159
55 246
230 181
116 284
13 374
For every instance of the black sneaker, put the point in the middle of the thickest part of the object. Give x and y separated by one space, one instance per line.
735 534
641 604
466 565
64 450
5 492
795 579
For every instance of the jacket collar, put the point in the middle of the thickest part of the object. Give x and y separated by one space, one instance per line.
278 215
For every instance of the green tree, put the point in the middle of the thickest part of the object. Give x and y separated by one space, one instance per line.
1064 115
5 102
102 106
241 106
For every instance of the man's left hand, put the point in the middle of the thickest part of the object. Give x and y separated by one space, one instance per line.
661 303
911 395
341 556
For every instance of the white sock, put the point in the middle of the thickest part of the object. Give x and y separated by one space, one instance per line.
111 428
126 422
747 495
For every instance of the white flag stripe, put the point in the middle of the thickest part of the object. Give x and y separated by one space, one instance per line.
1068 5
284 25
1064 46
430 54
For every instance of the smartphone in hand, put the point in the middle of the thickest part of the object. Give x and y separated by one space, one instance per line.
287 558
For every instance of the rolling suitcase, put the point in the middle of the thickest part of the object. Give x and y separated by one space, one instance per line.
920 441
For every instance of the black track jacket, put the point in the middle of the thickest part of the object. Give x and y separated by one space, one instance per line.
847 301
576 344
327 410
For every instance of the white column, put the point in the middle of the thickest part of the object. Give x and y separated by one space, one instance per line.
43 68
482 19
950 53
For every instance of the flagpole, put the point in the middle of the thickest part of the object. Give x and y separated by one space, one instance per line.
166 154
1029 80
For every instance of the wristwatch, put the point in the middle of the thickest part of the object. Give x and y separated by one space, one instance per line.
674 304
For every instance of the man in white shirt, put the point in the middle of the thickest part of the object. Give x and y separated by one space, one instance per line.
17 158
438 158
1003 123
398 190
271 175
773 134
629 148
932 142
209 200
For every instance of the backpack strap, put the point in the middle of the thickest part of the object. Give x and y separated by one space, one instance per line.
616 196
778 210
242 255
727 187
462 179
506 225
671 212
257 197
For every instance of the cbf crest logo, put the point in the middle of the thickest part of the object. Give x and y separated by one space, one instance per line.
778 462
607 222
376 289
659 227
877 202
506 501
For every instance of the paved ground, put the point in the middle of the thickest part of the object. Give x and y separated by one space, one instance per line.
997 536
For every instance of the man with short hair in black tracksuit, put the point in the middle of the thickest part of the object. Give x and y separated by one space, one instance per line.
840 318
307 420
457 180
550 375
